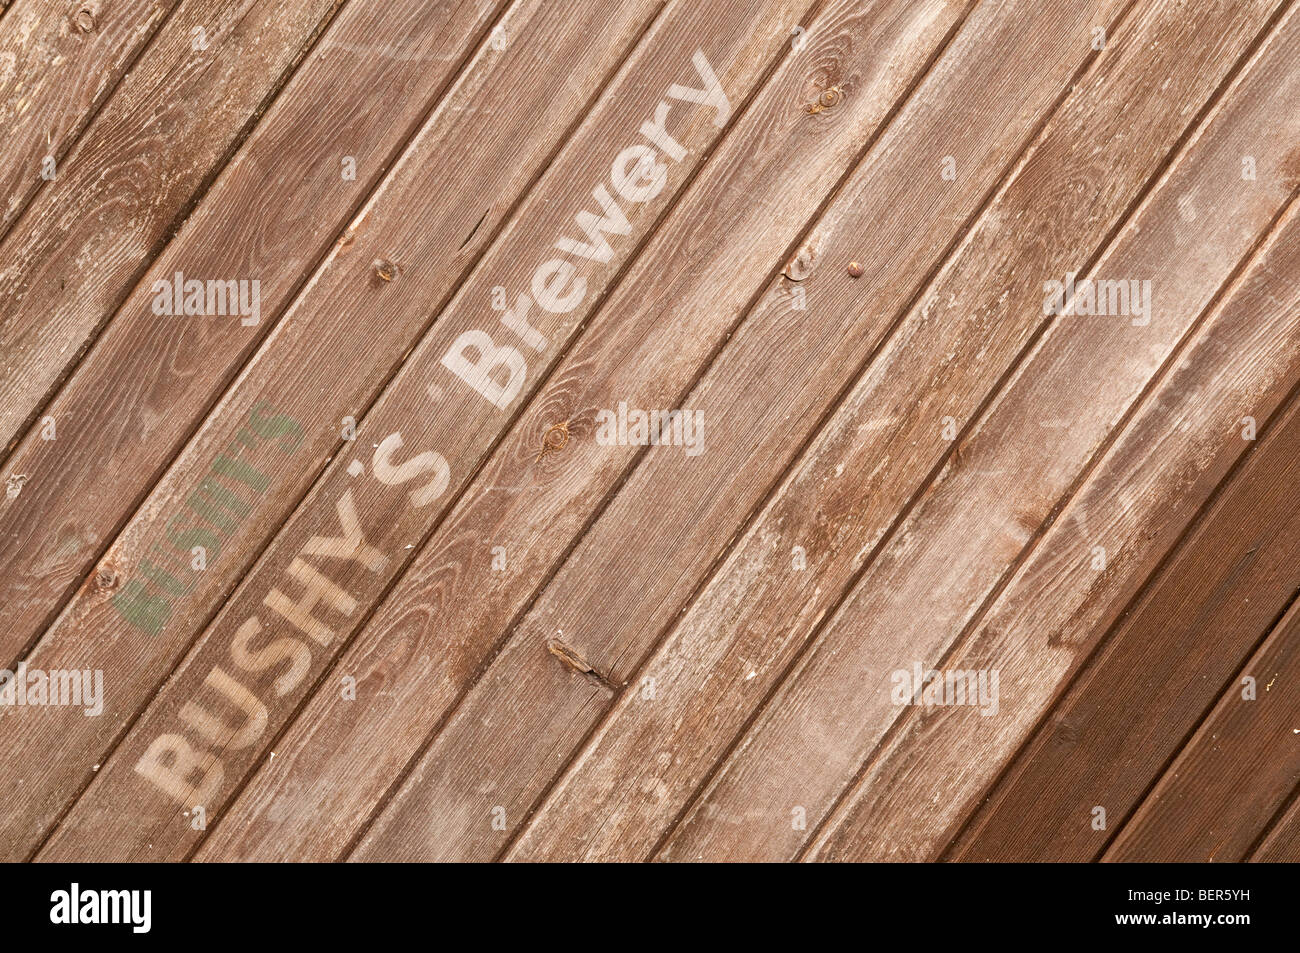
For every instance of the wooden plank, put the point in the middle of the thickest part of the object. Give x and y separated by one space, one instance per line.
954 757
422 230
1106 740
726 654
1235 773
781 373
139 393
1282 843
525 502
547 528
749 623
965 532
57 68
666 58
127 183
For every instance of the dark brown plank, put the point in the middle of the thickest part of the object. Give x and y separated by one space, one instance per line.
1281 844
1215 596
1239 768
829 724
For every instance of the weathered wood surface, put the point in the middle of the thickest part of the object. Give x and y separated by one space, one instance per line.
762 397
628 339
1215 595
1192 256
58 64
139 393
767 153
283 415
373 576
745 45
886 436
128 182
928 579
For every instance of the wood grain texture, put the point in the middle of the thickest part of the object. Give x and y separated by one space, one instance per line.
519 495
755 614
745 42
1237 770
1213 599
1281 843
761 396
85 240
250 225
59 62
417 221
1094 394
963 534
387 571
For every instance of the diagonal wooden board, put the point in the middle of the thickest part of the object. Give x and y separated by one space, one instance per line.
57 68
388 572
1111 365
1235 773
626 338
1214 595
137 396
83 242
1281 843
742 47
916 594
413 225
782 373
750 620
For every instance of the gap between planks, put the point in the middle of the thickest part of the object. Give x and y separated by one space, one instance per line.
132 510
633 464
526 193
995 181
164 234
